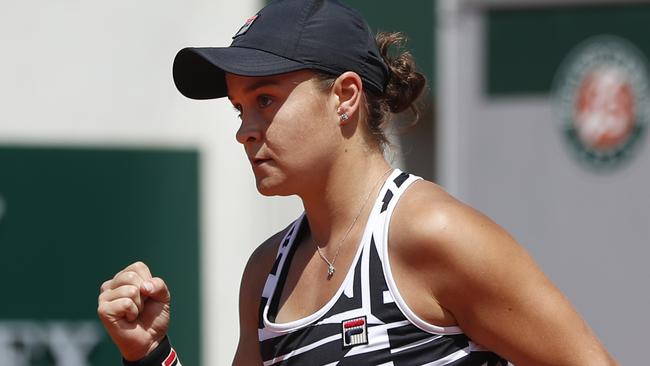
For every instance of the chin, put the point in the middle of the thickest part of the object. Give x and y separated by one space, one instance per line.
267 187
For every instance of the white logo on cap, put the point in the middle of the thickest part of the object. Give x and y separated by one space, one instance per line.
244 28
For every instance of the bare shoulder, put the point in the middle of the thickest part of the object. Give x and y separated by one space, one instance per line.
430 226
252 284
255 274
261 261
493 288
427 215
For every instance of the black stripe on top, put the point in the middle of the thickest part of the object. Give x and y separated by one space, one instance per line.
282 278
400 179
291 341
386 200
388 312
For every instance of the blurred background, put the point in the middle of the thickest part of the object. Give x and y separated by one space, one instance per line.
536 115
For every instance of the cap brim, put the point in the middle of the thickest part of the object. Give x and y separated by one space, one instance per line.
199 73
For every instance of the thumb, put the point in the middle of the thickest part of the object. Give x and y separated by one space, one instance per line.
156 289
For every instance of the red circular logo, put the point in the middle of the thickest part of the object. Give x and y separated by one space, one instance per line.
604 110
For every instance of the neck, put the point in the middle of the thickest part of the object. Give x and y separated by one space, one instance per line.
345 195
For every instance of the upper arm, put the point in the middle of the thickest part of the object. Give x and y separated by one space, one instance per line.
250 291
493 288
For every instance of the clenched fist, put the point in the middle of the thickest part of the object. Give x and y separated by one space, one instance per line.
134 308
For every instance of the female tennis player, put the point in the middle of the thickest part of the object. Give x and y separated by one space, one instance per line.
382 268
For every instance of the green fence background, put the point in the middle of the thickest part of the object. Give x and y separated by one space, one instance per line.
72 217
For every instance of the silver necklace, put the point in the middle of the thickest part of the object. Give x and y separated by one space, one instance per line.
330 264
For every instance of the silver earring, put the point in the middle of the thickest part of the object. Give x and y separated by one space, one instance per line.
344 117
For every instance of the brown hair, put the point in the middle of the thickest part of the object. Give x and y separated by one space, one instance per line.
404 86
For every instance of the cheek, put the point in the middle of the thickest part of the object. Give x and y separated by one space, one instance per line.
300 132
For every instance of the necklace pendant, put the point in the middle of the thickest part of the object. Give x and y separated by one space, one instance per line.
330 271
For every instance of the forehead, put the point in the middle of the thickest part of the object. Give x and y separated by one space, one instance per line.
240 85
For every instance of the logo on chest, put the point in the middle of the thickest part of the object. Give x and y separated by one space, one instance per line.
355 331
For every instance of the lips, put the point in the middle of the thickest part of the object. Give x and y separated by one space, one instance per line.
259 161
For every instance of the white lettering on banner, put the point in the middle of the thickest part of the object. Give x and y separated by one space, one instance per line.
68 342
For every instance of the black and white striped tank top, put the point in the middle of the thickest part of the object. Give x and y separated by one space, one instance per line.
366 322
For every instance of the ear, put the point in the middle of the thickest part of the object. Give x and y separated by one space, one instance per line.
348 89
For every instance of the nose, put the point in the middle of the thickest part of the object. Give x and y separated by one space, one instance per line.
250 130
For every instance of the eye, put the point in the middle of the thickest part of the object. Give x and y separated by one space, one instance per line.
264 100
238 109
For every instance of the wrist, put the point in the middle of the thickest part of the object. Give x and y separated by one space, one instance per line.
159 353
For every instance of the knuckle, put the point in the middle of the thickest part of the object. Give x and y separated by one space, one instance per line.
140 267
130 276
125 303
101 297
132 292
105 285
101 310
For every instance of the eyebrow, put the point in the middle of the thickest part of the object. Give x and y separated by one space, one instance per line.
260 84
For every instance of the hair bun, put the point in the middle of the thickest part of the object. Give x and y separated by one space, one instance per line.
405 83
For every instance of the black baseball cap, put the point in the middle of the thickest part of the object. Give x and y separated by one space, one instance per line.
285 36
